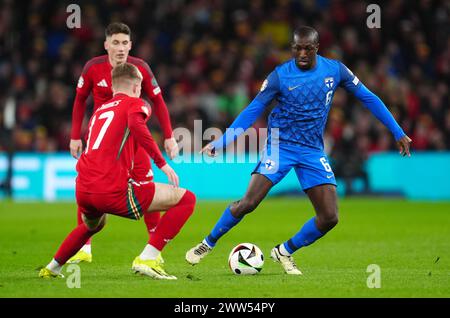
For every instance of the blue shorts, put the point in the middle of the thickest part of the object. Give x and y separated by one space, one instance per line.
311 165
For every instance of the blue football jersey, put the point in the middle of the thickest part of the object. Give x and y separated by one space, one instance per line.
304 98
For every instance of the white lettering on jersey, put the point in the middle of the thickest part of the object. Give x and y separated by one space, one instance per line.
109 105
328 97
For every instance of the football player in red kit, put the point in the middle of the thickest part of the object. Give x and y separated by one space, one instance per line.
96 78
104 184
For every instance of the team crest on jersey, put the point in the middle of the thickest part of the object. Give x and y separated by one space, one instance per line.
264 85
329 82
80 82
269 164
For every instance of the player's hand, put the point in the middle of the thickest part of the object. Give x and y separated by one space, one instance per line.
171 147
76 147
170 173
403 144
209 150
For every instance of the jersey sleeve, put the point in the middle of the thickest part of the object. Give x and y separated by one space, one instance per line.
84 87
138 114
348 81
79 108
379 110
149 83
153 91
142 107
269 89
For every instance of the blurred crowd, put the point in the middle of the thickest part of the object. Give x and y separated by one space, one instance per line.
211 56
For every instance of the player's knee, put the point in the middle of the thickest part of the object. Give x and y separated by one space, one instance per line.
334 220
101 224
329 221
95 225
246 205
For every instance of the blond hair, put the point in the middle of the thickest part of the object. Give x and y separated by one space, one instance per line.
124 73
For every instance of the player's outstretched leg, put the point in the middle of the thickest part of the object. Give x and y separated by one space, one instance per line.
85 253
324 200
257 190
179 205
73 242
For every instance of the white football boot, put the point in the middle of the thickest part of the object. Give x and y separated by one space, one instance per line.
195 254
287 262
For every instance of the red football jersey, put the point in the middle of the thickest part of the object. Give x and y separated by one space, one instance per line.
96 78
105 165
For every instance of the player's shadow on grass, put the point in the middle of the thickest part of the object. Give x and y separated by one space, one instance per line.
227 275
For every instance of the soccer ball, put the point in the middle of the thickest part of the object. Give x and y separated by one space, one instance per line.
246 259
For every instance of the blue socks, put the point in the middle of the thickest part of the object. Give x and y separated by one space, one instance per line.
308 234
225 223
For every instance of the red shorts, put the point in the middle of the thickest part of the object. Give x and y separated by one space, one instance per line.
142 167
132 204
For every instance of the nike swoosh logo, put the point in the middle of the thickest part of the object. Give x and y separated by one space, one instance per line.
330 176
293 87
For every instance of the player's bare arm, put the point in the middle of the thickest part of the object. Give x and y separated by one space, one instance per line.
171 147
171 175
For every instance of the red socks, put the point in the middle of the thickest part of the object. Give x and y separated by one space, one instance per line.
172 221
151 221
73 242
80 221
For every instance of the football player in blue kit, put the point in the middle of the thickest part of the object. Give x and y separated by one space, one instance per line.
303 87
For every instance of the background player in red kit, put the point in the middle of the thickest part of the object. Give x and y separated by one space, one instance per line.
103 183
96 78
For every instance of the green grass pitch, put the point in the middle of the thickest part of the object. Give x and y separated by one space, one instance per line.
409 241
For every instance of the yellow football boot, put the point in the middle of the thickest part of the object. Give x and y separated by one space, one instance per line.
46 273
152 268
80 256
160 258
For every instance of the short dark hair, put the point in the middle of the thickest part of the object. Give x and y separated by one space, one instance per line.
125 71
117 27
307 31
